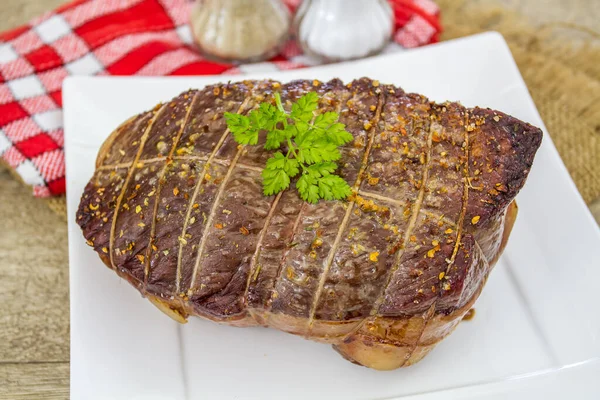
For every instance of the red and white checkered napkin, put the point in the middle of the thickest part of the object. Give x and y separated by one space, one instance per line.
118 37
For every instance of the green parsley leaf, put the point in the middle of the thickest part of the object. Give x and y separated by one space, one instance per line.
312 143
325 120
240 126
322 169
274 181
274 139
311 152
304 108
308 188
291 167
333 187
270 116
237 122
338 135
277 161
275 177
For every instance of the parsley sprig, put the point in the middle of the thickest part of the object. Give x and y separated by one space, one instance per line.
311 145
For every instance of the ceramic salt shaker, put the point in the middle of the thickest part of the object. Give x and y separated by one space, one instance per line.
240 31
336 30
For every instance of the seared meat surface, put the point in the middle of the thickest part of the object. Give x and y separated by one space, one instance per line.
176 207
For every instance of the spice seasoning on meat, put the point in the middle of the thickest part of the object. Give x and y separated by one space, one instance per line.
339 283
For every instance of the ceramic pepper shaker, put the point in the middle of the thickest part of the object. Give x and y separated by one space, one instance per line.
240 31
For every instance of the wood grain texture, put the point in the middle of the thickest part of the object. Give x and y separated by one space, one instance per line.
34 278
34 319
34 381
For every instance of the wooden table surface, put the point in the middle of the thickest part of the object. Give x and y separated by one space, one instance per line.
34 275
34 317
34 293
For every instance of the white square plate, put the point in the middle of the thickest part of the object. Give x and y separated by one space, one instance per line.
537 316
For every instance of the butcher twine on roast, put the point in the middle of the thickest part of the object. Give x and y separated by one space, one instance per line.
176 208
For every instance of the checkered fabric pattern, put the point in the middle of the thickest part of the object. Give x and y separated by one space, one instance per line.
119 37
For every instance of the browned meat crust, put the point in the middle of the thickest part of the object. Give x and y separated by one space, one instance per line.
176 208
